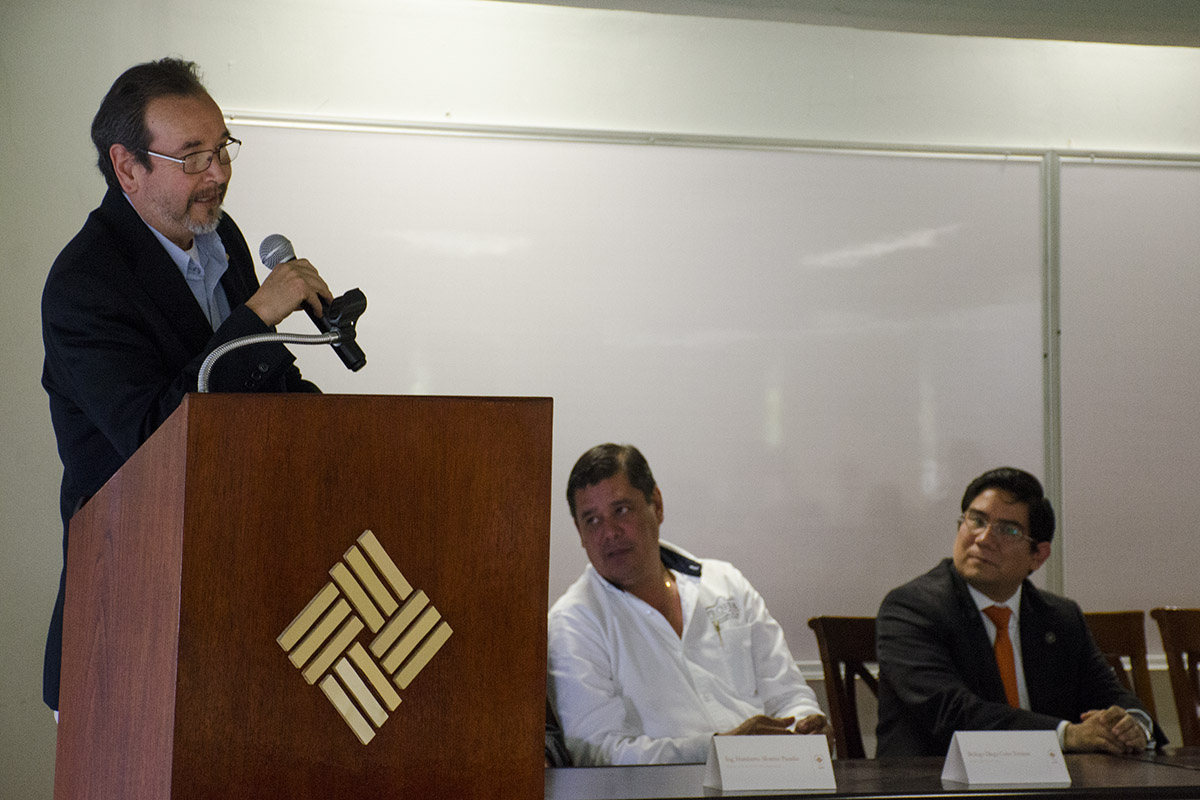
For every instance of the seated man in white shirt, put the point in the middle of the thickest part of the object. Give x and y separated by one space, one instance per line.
653 651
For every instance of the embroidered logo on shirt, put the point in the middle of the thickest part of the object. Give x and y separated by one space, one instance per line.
724 610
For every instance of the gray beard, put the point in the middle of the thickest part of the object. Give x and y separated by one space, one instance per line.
205 227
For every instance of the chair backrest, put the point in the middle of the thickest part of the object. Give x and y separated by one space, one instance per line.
1123 633
1180 632
847 645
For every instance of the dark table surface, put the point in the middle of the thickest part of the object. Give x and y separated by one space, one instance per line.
1173 774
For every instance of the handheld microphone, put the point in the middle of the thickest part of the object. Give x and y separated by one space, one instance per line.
340 314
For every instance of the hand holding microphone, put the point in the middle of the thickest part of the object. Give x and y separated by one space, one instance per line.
287 289
294 283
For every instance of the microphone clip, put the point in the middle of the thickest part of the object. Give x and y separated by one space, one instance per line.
340 315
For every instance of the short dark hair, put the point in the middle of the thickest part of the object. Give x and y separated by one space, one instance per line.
606 460
122 115
1025 489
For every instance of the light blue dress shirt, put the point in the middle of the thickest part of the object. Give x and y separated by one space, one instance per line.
202 268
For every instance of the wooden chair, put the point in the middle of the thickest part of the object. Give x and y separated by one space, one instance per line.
847 644
1123 633
1180 632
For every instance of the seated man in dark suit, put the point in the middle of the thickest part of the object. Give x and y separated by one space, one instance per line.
946 666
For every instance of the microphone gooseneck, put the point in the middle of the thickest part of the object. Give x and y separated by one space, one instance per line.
202 377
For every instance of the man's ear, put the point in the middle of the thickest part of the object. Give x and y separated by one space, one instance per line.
1040 553
127 167
657 501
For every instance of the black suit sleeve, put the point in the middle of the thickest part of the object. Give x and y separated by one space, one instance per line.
126 376
1087 680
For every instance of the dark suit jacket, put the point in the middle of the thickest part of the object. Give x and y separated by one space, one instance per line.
124 340
938 674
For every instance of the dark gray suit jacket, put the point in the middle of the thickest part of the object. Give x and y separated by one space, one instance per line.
124 339
938 674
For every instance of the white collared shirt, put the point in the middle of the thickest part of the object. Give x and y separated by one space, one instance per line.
629 690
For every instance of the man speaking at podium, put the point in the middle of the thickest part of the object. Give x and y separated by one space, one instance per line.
652 651
156 279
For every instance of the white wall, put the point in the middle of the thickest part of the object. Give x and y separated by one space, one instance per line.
487 63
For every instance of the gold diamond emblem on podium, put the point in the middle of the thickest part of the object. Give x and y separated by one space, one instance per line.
326 640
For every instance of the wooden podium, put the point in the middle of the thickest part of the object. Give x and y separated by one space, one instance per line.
313 596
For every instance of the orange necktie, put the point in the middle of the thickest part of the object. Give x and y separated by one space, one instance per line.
1004 652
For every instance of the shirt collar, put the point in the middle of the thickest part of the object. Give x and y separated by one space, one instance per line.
679 560
203 245
982 601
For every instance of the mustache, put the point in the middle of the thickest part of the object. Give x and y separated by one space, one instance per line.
205 193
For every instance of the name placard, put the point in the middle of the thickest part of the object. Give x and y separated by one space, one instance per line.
1006 758
740 763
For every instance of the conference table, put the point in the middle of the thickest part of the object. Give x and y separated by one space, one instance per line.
1174 773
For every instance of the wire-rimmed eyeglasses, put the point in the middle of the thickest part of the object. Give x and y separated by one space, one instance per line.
195 163
977 523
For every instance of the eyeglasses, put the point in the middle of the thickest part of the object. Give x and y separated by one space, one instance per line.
195 163
978 523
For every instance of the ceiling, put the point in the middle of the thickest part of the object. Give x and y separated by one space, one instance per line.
1149 22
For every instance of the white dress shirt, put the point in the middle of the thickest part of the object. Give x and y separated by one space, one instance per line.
629 690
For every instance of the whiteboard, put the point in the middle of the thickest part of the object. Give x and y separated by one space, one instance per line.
816 351
1130 280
